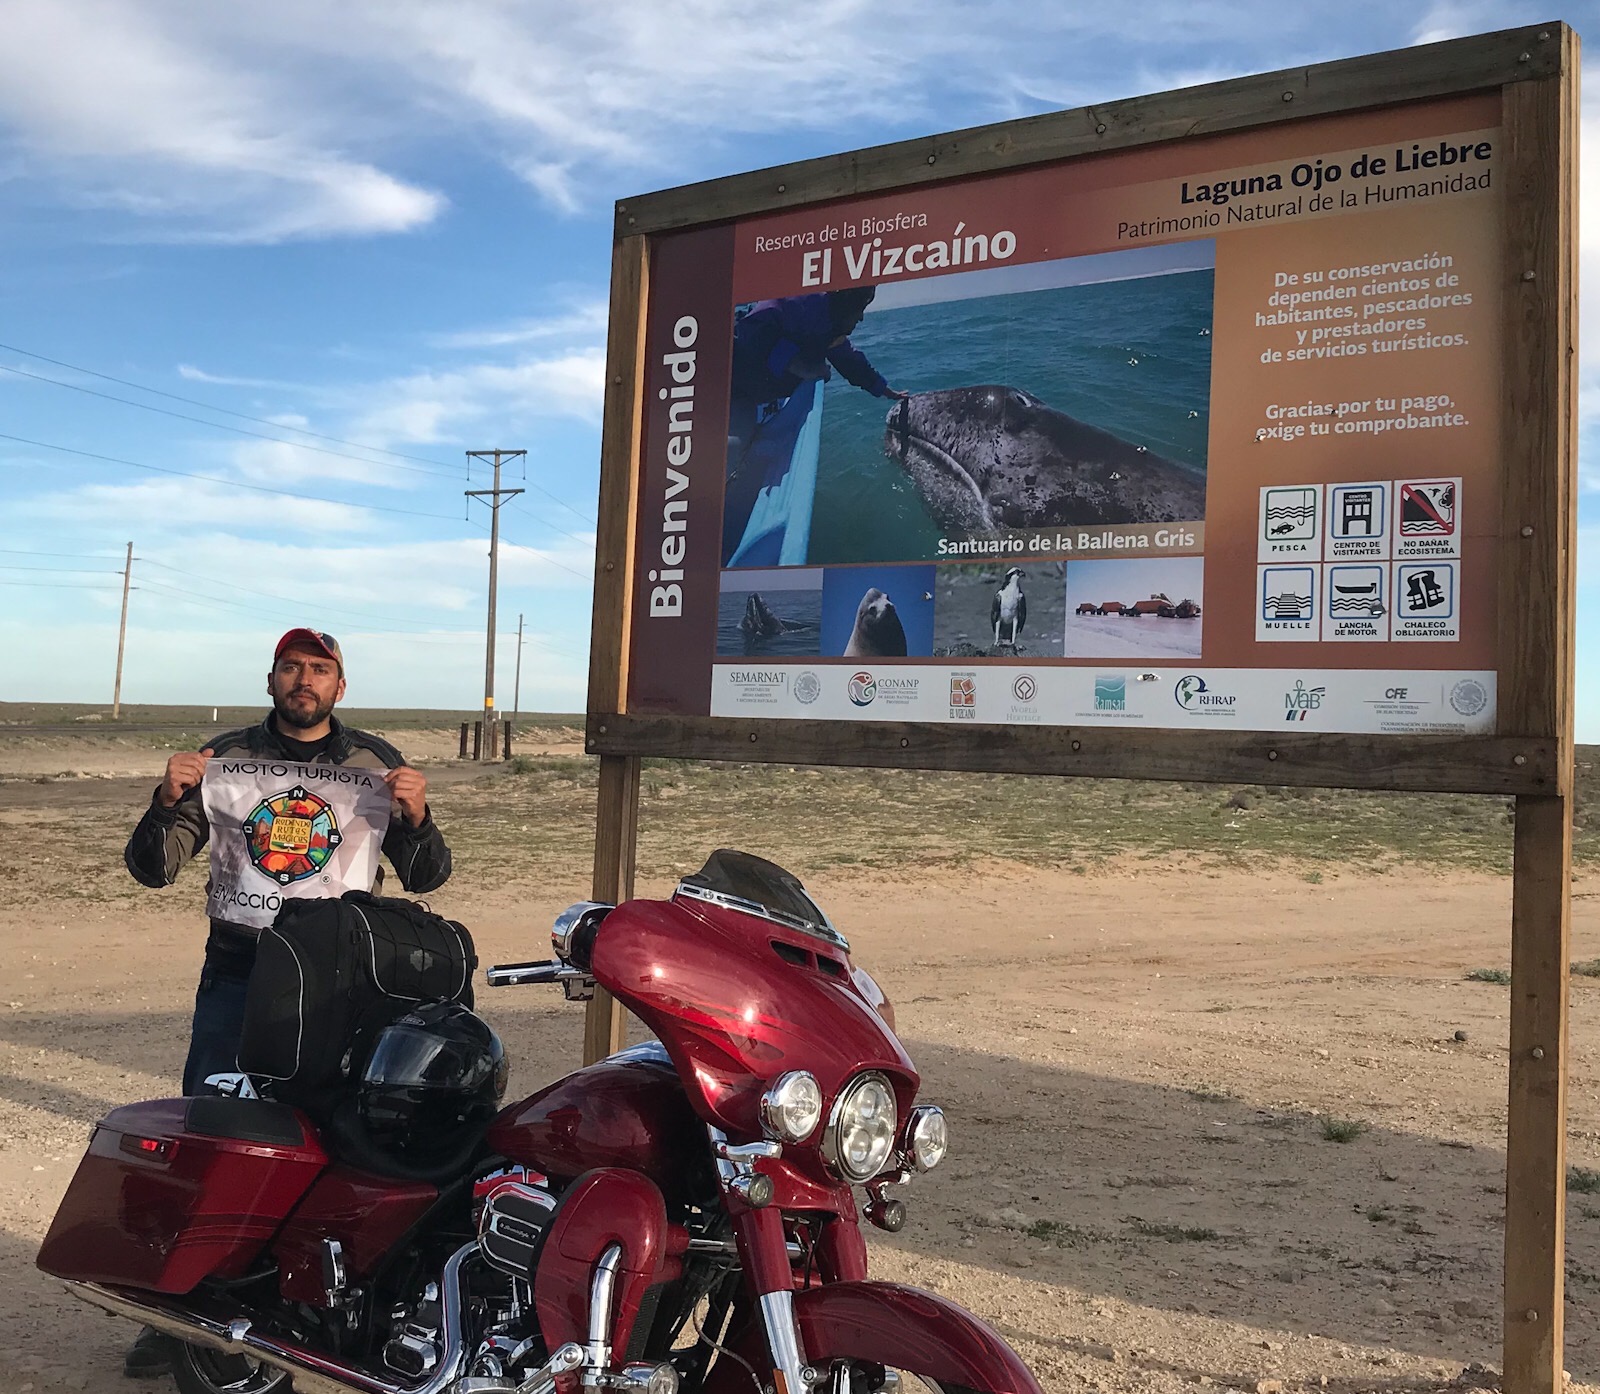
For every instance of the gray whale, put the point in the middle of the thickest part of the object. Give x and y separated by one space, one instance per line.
992 456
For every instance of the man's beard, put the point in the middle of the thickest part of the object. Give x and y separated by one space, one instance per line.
303 718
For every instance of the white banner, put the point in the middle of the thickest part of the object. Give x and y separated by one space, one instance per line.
281 830
1243 699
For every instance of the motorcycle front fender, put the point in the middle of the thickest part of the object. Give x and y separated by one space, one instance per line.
908 1329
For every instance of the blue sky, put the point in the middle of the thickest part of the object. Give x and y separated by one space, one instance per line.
387 223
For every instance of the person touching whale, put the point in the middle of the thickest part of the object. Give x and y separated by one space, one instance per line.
779 347
784 344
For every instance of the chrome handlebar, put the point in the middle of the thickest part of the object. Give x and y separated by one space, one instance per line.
522 974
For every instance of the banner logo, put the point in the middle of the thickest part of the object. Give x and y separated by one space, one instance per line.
290 836
963 692
1111 693
807 687
1469 697
1302 700
863 687
1025 688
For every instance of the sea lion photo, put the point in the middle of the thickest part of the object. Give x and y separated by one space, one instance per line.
878 632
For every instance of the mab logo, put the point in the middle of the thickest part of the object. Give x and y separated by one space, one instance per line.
1302 700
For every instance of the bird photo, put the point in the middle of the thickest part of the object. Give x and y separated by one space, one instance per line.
1010 609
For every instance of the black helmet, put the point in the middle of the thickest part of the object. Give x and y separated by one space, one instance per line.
432 1073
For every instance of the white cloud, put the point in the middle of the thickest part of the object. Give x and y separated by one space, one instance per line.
189 373
180 506
586 321
119 113
237 122
433 405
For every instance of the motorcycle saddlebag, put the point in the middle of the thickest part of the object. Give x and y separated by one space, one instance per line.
329 974
177 1190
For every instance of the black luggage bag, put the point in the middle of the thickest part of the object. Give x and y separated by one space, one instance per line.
330 974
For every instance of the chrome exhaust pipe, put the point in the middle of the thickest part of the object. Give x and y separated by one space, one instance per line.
313 1372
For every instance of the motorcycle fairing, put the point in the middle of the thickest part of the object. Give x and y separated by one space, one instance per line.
737 1000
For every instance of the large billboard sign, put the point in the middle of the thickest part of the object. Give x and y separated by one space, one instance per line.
1202 435
1226 434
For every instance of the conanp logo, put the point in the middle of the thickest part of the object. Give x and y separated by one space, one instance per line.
863 687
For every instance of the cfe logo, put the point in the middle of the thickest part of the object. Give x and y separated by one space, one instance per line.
1302 701
862 687
290 836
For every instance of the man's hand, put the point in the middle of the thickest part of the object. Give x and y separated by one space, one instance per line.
896 393
184 772
410 790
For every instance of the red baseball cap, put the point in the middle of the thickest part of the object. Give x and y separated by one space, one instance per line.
310 639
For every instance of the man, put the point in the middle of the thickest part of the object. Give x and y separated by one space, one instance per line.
306 682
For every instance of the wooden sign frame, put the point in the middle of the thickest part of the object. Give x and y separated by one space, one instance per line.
1530 754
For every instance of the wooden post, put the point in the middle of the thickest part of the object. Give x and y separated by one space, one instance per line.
615 832
1536 1116
617 811
506 727
463 740
477 740
1537 581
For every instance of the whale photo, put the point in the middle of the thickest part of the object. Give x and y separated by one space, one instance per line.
771 613
1015 398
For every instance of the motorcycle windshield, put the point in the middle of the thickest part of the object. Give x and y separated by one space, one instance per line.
743 978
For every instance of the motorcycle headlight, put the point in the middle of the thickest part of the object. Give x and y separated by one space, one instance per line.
928 1136
861 1132
792 1106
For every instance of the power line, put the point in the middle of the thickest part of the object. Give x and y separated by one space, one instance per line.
221 426
64 570
540 553
88 556
581 541
208 406
226 483
320 606
443 471
61 585
222 602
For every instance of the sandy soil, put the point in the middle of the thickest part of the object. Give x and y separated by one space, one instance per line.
99 755
1136 1069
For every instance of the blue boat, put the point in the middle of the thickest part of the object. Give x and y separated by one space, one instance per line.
785 449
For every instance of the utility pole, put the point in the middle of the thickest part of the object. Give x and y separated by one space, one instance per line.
122 636
494 495
516 692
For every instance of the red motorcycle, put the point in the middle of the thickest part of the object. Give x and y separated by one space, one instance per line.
678 1216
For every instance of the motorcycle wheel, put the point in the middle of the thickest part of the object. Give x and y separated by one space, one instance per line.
200 1370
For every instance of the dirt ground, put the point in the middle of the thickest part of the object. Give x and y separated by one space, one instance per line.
1142 1066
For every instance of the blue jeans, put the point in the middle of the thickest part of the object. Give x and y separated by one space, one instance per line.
218 1024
